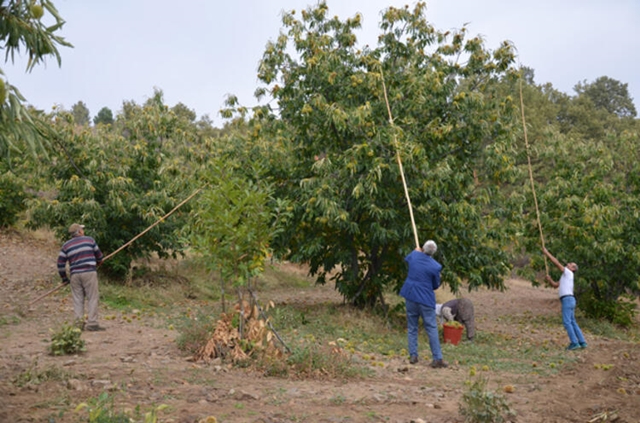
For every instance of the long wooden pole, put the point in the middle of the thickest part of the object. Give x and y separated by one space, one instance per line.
128 243
47 294
533 188
404 182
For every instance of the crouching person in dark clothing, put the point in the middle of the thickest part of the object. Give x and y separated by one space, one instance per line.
460 310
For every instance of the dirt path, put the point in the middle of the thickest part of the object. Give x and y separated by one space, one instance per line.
139 364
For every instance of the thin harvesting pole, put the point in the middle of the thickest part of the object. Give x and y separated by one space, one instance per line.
395 143
47 294
533 188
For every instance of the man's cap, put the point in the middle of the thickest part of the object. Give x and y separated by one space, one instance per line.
75 228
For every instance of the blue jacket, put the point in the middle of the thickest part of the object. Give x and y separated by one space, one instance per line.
422 279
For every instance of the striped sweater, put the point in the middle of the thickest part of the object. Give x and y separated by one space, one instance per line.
82 253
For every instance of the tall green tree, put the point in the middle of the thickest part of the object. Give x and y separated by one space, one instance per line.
589 206
23 28
584 163
610 95
80 113
104 117
332 151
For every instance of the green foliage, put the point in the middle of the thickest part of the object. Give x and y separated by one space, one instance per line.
589 204
80 113
330 151
610 95
233 223
104 117
21 29
620 311
66 340
481 406
119 180
102 410
12 198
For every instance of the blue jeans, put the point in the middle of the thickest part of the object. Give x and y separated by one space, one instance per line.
414 312
569 320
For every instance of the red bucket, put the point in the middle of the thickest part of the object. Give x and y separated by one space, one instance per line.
452 334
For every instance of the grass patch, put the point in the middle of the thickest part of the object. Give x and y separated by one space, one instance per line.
35 375
285 275
11 320
363 332
310 360
195 329
607 329
503 353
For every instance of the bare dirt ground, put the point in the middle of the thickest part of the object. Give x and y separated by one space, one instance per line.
138 362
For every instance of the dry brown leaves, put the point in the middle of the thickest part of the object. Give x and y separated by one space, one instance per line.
227 342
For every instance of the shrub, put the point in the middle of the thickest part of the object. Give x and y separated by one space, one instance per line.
480 406
66 341
620 312
12 199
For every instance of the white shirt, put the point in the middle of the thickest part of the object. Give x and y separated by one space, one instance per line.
438 310
566 283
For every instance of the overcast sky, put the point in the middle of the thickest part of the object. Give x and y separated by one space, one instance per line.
199 51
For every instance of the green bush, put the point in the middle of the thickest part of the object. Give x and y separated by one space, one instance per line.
480 406
67 340
620 312
12 199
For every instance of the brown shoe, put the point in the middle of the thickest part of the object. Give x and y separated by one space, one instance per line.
413 359
439 364
94 328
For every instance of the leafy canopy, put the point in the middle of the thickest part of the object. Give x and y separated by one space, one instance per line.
328 147
120 179
23 28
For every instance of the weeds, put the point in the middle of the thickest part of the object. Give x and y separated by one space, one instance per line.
317 361
67 340
481 406
35 376
194 331
102 410
11 320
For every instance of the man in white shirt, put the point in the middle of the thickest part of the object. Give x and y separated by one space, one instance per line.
565 292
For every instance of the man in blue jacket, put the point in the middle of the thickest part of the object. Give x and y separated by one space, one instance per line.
423 279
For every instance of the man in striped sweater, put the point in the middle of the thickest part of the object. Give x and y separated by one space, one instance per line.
84 256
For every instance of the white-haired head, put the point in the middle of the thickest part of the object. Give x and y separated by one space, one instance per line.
429 247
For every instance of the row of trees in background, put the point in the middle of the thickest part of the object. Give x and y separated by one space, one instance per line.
310 175
82 117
